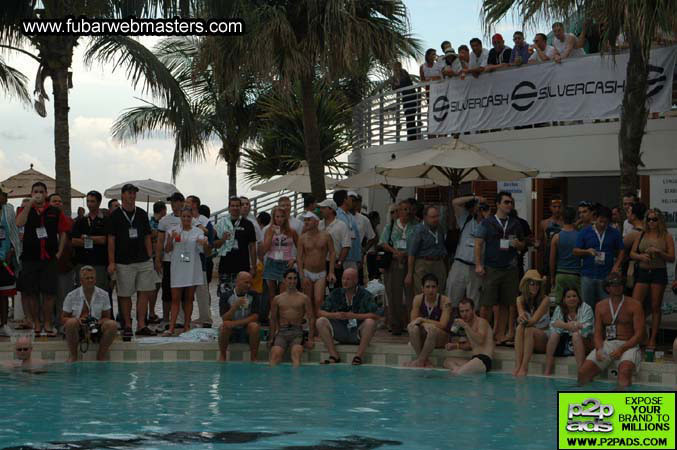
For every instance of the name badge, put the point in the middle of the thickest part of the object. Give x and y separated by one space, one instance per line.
505 244
600 258
401 244
277 256
185 258
2 234
236 245
41 232
352 323
89 243
133 233
471 243
352 234
610 332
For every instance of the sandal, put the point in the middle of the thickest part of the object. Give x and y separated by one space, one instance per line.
331 360
169 334
357 361
50 333
145 331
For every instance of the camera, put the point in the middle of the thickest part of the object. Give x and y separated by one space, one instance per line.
93 328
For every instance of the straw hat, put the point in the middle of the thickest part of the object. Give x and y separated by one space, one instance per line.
532 274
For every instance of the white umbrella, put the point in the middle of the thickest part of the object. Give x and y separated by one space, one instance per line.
371 178
149 190
296 181
454 163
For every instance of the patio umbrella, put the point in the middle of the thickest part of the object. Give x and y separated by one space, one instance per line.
19 185
453 163
149 190
371 178
296 181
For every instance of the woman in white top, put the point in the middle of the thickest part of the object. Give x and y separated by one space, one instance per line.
571 330
533 319
186 268
429 71
279 247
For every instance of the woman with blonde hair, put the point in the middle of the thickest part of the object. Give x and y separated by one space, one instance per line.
279 244
654 248
533 320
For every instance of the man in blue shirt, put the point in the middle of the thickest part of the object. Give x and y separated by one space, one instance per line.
520 52
344 203
601 248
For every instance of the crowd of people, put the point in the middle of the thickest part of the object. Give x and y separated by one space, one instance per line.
296 279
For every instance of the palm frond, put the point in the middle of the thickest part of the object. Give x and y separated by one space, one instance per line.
14 83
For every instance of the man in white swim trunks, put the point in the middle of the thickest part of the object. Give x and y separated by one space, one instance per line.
619 328
314 248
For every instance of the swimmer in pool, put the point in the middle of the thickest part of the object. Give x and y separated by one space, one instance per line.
286 319
481 342
23 351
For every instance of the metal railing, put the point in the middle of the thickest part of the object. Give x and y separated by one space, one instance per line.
401 115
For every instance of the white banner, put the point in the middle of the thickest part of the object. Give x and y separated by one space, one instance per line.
589 87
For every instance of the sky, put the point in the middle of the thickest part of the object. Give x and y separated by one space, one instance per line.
100 95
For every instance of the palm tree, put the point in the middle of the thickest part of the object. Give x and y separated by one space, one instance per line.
303 41
226 115
13 82
281 140
55 56
641 21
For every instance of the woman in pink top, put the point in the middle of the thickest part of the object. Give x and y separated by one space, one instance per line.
279 244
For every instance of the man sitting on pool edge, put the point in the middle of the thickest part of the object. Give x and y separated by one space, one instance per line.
348 316
239 309
287 311
481 337
619 329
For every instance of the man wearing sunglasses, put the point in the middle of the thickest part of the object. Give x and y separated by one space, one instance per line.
23 357
619 328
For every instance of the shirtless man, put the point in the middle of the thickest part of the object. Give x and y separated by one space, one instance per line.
286 318
619 328
314 248
481 342
23 350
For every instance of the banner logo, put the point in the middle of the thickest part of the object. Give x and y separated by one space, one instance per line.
524 90
652 81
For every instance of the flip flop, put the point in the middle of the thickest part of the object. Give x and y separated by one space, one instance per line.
357 361
331 360
51 333
169 334
145 331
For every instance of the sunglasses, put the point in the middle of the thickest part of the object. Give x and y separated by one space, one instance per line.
652 219
533 283
507 202
23 349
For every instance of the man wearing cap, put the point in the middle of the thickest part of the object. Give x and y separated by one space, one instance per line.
450 65
44 240
619 329
163 258
344 202
499 55
129 253
88 239
426 251
339 232
315 248
602 250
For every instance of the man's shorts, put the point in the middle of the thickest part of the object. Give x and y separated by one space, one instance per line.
135 277
239 336
39 277
633 355
288 336
463 281
343 334
500 286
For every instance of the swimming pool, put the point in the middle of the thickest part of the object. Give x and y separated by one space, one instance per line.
188 405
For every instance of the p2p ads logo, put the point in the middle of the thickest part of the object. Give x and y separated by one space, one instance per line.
616 420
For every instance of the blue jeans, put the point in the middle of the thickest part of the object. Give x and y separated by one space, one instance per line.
592 291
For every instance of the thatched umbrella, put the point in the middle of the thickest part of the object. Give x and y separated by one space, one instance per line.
19 185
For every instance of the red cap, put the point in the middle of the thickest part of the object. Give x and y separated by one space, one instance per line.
496 36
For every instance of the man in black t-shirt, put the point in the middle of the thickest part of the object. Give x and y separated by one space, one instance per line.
129 252
499 55
90 242
241 256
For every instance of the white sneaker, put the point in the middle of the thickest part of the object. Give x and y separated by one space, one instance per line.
5 331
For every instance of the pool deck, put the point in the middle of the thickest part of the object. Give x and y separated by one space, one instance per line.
386 350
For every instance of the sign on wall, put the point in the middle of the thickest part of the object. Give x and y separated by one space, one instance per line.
589 87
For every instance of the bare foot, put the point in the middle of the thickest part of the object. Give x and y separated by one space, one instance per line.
548 371
222 358
253 357
428 364
522 372
514 372
71 359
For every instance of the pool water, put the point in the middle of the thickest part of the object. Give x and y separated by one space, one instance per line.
188 405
